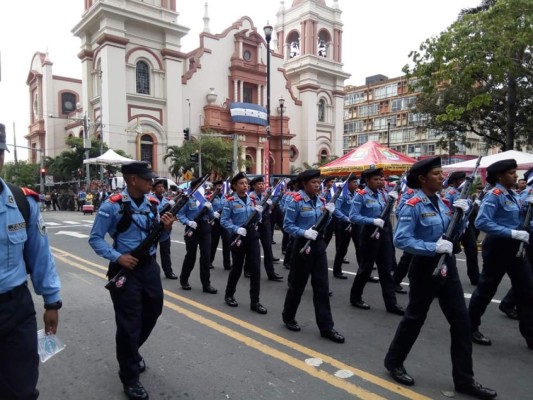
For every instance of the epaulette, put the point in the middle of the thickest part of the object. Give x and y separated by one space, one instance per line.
452 192
413 201
228 197
208 196
447 203
409 191
297 197
152 199
497 192
362 192
31 193
115 198
322 199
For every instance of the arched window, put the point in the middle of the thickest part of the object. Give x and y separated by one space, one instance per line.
147 148
324 38
322 110
293 44
143 77
68 102
249 163
323 156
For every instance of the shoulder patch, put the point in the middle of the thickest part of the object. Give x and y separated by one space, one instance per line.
297 197
362 192
496 192
228 197
413 201
31 193
152 199
410 191
115 198
208 197
323 200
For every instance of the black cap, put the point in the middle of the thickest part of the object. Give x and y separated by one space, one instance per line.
456 176
158 181
353 177
499 167
138 168
421 167
308 175
238 177
219 182
367 173
328 178
257 179
3 145
528 173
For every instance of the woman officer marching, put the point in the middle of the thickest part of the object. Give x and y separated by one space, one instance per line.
422 222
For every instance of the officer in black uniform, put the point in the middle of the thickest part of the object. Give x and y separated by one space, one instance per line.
160 186
128 217
217 232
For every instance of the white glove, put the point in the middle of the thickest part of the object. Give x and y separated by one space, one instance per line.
477 202
192 224
330 207
259 209
461 204
379 222
216 214
529 199
269 202
523 236
208 205
444 246
393 194
241 231
311 234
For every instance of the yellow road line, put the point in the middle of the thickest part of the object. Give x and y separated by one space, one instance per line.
337 382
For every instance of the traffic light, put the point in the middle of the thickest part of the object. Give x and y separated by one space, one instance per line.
43 172
186 135
229 166
194 157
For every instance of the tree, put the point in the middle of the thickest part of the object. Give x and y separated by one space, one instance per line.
21 174
477 76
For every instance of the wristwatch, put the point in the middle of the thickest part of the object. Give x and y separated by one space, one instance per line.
54 306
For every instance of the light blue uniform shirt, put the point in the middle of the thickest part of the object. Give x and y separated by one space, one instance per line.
343 206
367 206
499 212
302 213
19 242
191 210
235 212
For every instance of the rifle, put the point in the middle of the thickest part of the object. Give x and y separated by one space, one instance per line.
250 223
323 220
385 214
188 230
441 269
154 235
525 226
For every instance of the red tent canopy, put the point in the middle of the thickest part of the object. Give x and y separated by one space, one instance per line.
369 154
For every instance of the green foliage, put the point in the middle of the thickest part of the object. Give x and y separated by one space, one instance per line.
477 76
21 174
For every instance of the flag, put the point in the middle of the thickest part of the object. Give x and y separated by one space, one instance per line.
345 189
225 188
199 196
332 191
248 113
279 188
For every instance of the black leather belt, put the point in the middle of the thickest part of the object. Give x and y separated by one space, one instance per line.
5 297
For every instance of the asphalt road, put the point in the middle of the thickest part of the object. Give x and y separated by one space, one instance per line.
202 349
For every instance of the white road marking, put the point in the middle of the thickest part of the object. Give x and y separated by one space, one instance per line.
314 362
73 234
51 223
71 222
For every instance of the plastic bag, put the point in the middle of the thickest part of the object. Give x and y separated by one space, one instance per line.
48 345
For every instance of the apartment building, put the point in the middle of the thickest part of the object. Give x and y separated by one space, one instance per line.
383 110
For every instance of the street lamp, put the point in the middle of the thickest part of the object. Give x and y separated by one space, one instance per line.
281 105
268 36
388 132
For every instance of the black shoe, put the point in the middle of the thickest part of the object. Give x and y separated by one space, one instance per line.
399 289
340 276
211 266
361 304
230 301
345 261
292 325
274 242
396 309
186 286
479 338
135 391
171 275
476 390
258 308
247 274
142 365
400 375
275 259
275 277
373 279
332 335
509 311
210 289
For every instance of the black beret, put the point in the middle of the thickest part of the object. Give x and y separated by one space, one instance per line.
353 177
456 176
3 145
309 174
421 167
238 177
257 179
328 178
499 167
528 173
138 168
163 181
219 182
367 173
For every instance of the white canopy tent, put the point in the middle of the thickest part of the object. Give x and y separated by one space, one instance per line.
523 160
109 158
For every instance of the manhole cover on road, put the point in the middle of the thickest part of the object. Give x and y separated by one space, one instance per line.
343 373
314 362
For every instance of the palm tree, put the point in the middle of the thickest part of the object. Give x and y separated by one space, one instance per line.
484 6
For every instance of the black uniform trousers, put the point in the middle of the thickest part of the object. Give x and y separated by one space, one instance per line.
330 230
509 301
314 264
402 268
164 252
265 237
423 288
469 242
342 242
381 252
217 233
248 250
285 242
138 304
499 257
194 238
19 361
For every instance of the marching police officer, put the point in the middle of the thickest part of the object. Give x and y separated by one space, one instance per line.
264 227
422 222
217 232
160 186
24 250
328 183
197 234
303 212
499 218
128 217
366 209
237 210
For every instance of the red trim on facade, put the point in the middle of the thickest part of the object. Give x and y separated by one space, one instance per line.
178 55
86 55
106 38
66 79
288 86
308 87
338 93
132 116
140 48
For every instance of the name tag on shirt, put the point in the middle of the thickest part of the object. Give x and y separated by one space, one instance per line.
237 206
306 208
429 214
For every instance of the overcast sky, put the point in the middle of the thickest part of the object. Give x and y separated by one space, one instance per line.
378 36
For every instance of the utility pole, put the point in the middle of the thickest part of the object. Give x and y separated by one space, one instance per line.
101 123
